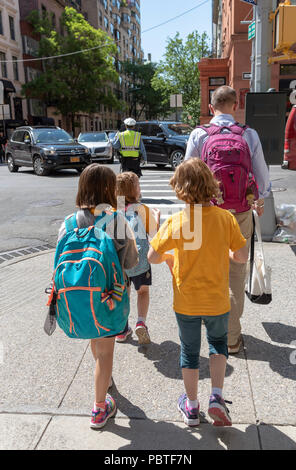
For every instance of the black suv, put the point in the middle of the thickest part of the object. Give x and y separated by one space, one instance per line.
165 141
45 148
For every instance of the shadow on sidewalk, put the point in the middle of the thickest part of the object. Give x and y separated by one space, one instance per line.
166 356
143 433
281 359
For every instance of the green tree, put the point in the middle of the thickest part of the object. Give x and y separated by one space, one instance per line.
144 98
178 72
79 82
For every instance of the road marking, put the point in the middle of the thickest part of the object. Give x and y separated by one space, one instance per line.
154 181
158 191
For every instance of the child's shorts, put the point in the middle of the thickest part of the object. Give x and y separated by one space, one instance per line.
190 337
144 279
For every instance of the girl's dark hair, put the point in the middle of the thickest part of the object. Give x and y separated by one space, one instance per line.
97 185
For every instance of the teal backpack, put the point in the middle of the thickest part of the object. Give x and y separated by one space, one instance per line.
88 296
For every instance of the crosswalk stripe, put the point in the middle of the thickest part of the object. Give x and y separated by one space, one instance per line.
158 191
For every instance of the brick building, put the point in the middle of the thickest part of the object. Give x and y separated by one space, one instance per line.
232 51
11 72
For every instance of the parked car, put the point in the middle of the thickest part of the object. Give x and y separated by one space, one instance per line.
45 148
98 144
165 141
290 141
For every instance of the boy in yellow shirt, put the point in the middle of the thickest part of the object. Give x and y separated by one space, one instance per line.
203 238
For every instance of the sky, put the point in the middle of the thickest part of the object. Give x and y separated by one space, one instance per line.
154 12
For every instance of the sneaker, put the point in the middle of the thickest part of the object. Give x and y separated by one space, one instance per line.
122 338
190 415
100 418
142 333
235 349
218 411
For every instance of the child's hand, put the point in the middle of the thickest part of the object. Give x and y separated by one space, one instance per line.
170 261
156 215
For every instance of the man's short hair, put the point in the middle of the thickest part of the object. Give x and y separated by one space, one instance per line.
224 95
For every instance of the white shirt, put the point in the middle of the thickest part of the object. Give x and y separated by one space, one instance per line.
260 169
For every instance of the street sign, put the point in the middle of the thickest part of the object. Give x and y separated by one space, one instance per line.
176 101
247 76
252 30
253 2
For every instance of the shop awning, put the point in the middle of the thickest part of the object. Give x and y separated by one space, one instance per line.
8 86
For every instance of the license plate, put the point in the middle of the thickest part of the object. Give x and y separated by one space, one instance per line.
74 159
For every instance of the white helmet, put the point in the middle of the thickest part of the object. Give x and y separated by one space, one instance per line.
130 122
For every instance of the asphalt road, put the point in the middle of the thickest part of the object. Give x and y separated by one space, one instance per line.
33 208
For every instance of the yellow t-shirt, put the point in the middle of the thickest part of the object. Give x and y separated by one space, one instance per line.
201 271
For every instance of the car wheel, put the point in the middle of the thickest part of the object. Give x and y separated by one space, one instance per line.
11 165
176 158
39 168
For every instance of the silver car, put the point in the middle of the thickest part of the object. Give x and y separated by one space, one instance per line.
99 145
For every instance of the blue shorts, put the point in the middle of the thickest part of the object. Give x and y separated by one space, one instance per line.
190 337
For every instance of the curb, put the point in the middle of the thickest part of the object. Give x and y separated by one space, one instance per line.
25 257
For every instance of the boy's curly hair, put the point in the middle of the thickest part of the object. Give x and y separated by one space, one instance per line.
194 183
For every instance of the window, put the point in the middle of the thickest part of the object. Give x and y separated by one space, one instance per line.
3 64
15 68
18 136
143 128
155 130
53 20
11 27
1 24
43 11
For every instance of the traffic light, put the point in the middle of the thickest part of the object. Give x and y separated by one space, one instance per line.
284 30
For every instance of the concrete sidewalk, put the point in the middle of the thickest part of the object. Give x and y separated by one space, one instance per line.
46 383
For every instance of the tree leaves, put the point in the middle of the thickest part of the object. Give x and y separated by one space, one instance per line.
74 83
178 72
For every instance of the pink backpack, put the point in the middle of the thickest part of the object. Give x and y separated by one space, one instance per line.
228 157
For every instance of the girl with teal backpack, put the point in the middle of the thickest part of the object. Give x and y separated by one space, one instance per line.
89 293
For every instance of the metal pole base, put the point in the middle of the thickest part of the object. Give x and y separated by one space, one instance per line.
268 220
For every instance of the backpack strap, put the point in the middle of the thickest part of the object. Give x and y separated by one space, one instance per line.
211 129
71 223
238 128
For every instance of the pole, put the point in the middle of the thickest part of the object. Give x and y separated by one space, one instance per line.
263 43
176 107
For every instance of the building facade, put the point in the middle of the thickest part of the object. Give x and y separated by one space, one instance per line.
13 108
121 20
265 59
232 52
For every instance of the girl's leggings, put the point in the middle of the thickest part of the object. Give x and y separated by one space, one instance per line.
190 337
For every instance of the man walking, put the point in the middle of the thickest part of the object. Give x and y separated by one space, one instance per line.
223 106
131 147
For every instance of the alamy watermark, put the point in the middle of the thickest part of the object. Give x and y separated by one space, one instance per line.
187 223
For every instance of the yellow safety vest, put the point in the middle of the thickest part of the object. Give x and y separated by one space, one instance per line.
130 143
